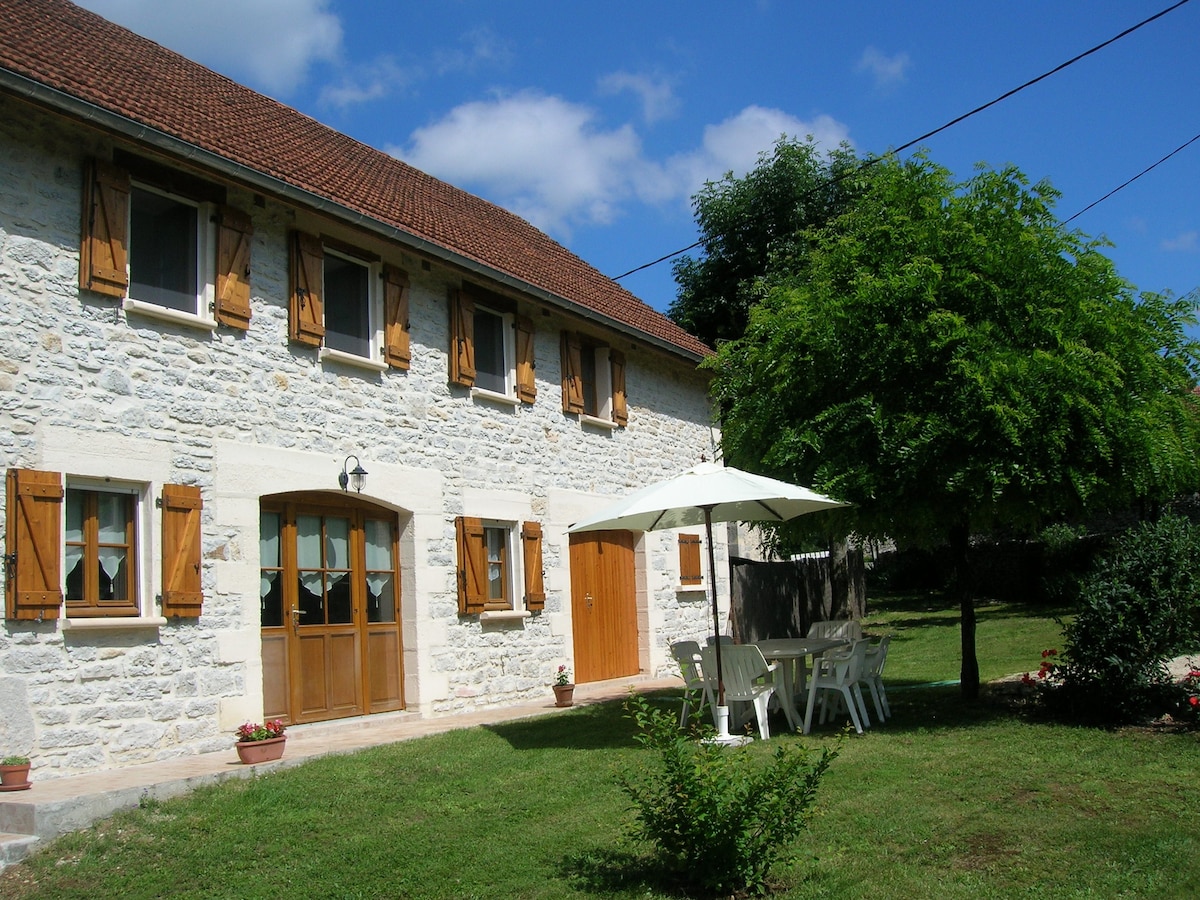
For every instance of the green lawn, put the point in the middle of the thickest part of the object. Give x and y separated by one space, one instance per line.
947 800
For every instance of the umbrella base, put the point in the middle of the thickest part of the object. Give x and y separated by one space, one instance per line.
723 737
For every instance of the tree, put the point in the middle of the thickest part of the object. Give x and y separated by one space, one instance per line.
954 362
744 221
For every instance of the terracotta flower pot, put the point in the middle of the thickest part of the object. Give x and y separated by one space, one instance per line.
15 778
564 694
260 751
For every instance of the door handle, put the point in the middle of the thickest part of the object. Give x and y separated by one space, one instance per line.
587 598
296 614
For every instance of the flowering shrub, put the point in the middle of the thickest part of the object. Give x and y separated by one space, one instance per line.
1046 670
1191 685
563 676
253 731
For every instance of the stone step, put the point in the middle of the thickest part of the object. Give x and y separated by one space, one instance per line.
15 847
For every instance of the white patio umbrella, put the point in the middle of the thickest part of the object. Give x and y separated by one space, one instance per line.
707 493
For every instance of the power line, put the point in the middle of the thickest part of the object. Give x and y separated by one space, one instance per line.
1133 179
967 115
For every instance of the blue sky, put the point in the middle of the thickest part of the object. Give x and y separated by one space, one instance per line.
597 122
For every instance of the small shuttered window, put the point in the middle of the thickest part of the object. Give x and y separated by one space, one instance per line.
535 586
33 544
689 559
181 510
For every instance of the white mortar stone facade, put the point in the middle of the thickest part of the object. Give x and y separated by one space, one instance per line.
93 391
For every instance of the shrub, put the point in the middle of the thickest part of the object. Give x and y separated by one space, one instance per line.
719 817
1140 607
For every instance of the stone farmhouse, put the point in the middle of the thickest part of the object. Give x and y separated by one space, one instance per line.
292 429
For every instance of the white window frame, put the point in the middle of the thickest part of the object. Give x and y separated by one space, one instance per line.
374 361
206 264
142 551
509 363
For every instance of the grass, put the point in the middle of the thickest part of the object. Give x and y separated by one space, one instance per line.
947 800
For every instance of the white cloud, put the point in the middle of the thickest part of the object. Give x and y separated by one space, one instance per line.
539 156
549 160
269 43
482 46
886 70
1187 242
735 144
657 95
372 81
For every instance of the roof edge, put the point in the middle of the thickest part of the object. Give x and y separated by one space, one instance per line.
107 120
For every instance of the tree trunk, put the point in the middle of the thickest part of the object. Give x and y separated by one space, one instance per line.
960 543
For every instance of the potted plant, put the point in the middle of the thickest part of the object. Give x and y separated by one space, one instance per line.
564 689
14 773
260 743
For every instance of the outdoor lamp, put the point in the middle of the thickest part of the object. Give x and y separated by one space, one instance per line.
356 477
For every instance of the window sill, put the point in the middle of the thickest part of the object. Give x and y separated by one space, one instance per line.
165 314
349 359
112 623
494 397
691 588
597 422
501 615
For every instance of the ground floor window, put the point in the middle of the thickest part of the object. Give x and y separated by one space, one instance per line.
100 553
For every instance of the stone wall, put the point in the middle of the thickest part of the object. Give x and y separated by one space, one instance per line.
94 391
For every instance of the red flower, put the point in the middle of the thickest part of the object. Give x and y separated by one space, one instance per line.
1195 701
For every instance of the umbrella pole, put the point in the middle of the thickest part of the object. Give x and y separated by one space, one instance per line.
712 588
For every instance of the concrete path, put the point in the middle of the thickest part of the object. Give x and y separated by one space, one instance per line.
59 805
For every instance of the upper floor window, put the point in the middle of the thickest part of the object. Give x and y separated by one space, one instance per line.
593 380
353 308
166 244
491 348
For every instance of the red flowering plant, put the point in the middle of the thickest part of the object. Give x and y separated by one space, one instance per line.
1046 672
1191 684
253 731
562 676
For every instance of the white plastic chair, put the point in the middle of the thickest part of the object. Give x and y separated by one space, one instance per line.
748 679
872 677
836 628
835 677
695 687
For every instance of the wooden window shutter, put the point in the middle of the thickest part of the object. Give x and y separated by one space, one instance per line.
306 306
103 248
526 383
462 339
689 559
531 546
181 508
472 565
33 542
572 373
395 304
233 268
620 410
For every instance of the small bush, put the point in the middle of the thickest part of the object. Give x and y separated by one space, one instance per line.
719 817
1140 607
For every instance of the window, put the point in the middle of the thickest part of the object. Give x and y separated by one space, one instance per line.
486 565
690 572
168 250
351 307
100 553
491 348
166 244
593 380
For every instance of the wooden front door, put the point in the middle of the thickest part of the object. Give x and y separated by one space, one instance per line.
330 603
603 605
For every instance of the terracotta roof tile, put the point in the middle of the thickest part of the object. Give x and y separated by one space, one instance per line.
123 73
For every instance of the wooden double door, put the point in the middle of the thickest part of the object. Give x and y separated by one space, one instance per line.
604 617
330 605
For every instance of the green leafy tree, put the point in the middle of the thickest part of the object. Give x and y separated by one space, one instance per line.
955 362
743 222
